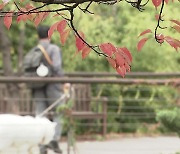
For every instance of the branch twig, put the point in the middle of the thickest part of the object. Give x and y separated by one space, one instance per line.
158 24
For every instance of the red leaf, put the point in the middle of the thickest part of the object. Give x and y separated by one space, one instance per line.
156 3
61 26
119 59
128 68
177 42
29 7
177 28
23 17
31 16
172 42
64 35
52 29
160 38
127 52
111 61
108 48
85 51
145 32
79 43
8 20
141 43
39 18
121 71
157 16
45 15
176 22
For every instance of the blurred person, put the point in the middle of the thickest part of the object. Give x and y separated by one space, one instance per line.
46 94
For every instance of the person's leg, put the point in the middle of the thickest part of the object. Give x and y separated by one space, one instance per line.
53 93
40 100
40 105
43 149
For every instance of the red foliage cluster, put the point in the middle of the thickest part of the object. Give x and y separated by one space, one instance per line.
60 26
119 58
175 43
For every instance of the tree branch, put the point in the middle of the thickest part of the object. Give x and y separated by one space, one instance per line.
76 32
69 1
158 24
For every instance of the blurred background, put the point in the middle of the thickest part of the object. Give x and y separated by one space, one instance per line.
132 108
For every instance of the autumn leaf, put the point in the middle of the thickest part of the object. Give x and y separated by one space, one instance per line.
52 29
157 16
8 19
61 26
141 43
23 17
39 18
172 42
156 3
119 59
64 35
79 43
160 38
177 28
176 22
127 53
31 17
121 71
177 42
45 15
127 66
107 48
111 61
85 52
29 7
145 32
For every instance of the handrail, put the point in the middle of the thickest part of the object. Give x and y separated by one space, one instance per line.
128 75
123 81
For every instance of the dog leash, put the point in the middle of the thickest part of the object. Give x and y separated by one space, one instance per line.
63 97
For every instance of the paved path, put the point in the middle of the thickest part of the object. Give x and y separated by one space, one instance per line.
128 145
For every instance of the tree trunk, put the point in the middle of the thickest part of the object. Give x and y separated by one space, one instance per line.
21 50
5 50
12 90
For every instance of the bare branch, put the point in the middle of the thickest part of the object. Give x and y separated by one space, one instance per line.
76 32
158 24
86 9
68 1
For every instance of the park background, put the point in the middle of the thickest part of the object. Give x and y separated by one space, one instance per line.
121 25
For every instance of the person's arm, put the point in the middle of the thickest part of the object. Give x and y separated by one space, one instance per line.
56 60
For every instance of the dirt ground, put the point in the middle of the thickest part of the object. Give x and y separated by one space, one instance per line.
127 145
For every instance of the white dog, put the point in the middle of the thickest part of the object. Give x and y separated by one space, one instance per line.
23 134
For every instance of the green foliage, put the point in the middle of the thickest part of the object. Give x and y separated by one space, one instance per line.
120 24
133 108
170 119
